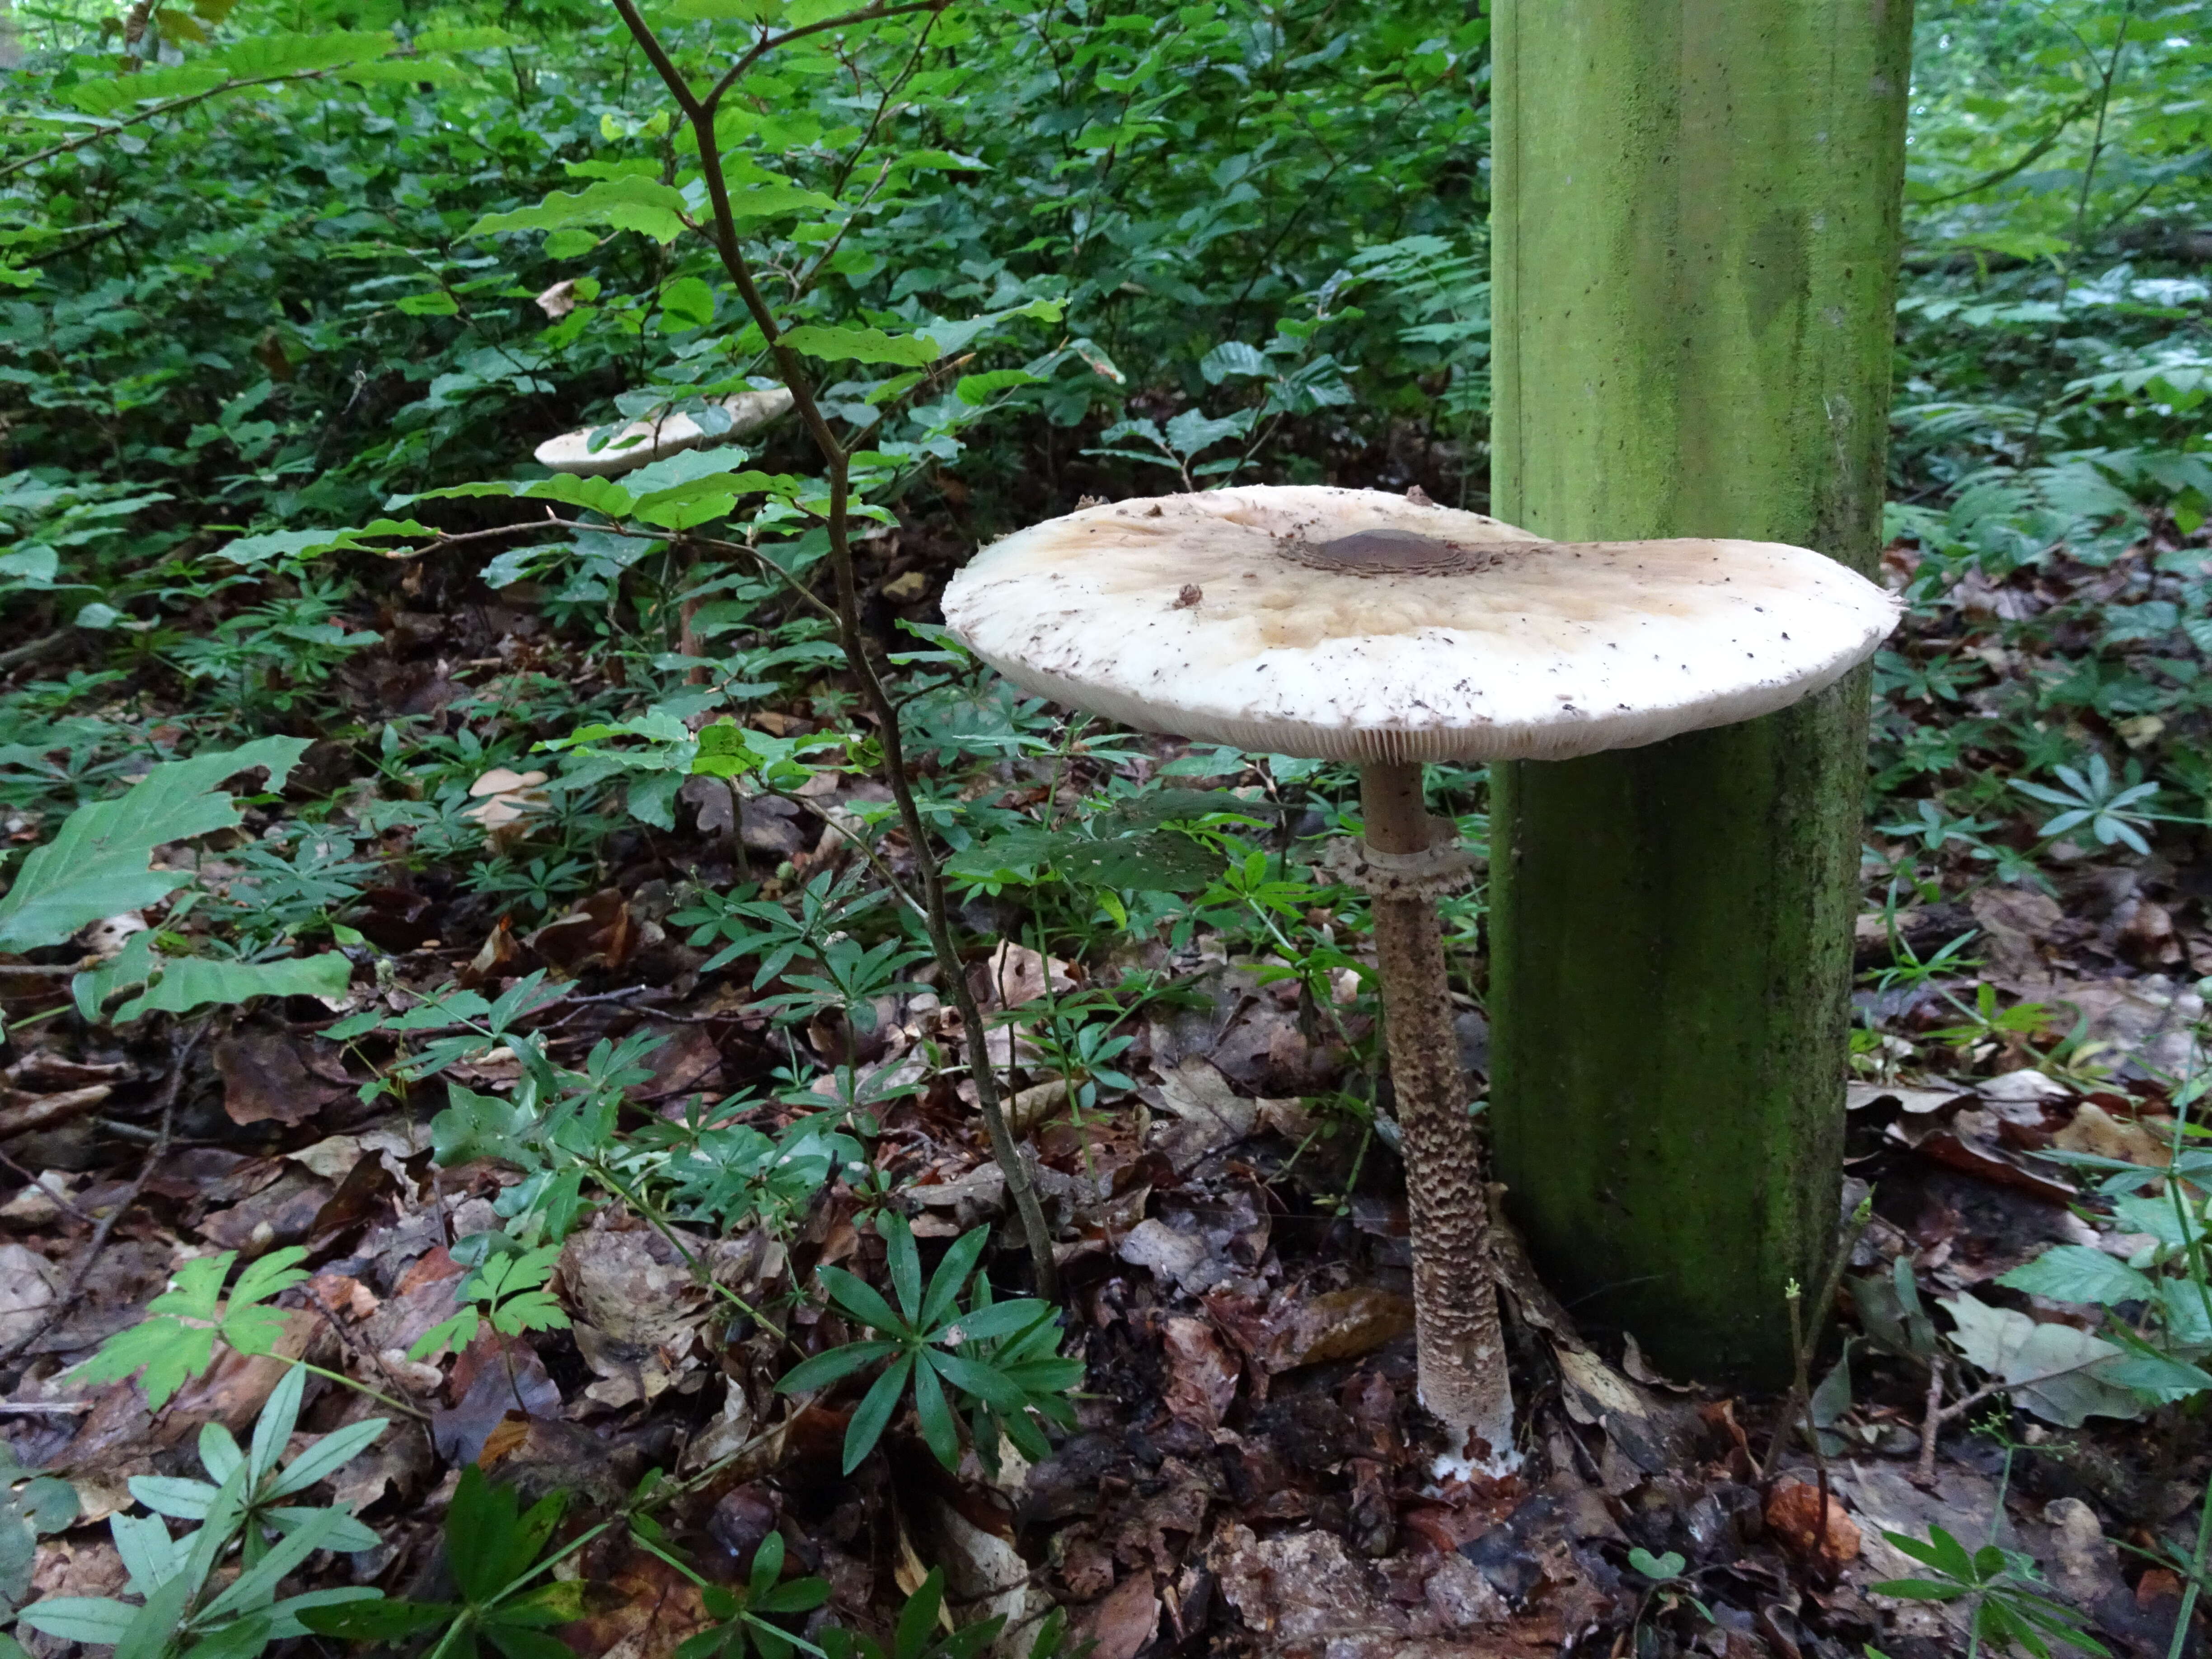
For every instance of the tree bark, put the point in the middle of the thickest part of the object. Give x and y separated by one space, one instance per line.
1695 247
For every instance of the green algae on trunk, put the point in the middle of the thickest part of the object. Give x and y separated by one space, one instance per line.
1695 237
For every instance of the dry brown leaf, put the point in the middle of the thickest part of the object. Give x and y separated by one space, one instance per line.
1124 1623
1201 1376
1016 974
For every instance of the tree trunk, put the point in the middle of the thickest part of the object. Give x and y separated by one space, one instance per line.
1695 248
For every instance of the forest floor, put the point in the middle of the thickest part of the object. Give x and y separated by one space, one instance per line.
1249 1472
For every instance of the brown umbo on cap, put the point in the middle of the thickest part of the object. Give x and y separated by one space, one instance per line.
1354 625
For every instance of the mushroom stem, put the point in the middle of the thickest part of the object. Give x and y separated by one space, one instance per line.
1463 1379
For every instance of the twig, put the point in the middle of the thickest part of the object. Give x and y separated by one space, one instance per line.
1923 1472
1804 1341
60 1200
169 107
43 1111
837 467
31 650
346 1341
180 1054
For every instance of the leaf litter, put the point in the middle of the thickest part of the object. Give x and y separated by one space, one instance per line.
1246 1469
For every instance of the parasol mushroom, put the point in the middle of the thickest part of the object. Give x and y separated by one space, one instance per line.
1357 626
656 439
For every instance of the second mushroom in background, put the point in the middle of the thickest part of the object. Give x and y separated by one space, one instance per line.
1357 626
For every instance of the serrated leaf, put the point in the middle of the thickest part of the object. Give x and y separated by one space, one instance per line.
484 37
1158 861
2079 1272
866 345
97 866
480 1126
644 205
293 54
1232 358
184 983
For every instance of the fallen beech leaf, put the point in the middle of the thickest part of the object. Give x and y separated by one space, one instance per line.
265 1079
28 1283
1016 974
2097 1132
1201 1376
1124 1623
1335 1325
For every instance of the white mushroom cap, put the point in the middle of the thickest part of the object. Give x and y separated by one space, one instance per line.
1354 625
642 441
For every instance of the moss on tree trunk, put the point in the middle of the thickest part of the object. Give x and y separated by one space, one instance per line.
1695 245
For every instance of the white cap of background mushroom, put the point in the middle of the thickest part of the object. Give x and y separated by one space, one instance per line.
642 441
1357 626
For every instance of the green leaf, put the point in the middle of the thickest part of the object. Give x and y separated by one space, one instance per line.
1658 1568
100 1620
829 1366
379 1621
293 54
860 1299
688 301
905 1263
257 1586
756 193
1160 861
2080 1273
938 1431
977 389
97 866
1919 1589
951 1277
866 345
177 985
992 1387
176 1342
918 1619
482 37
644 205
156 1620
273 1429
519 1642
874 1412
475 1126
328 1456
1002 1319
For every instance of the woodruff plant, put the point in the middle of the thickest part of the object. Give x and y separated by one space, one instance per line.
241 1507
